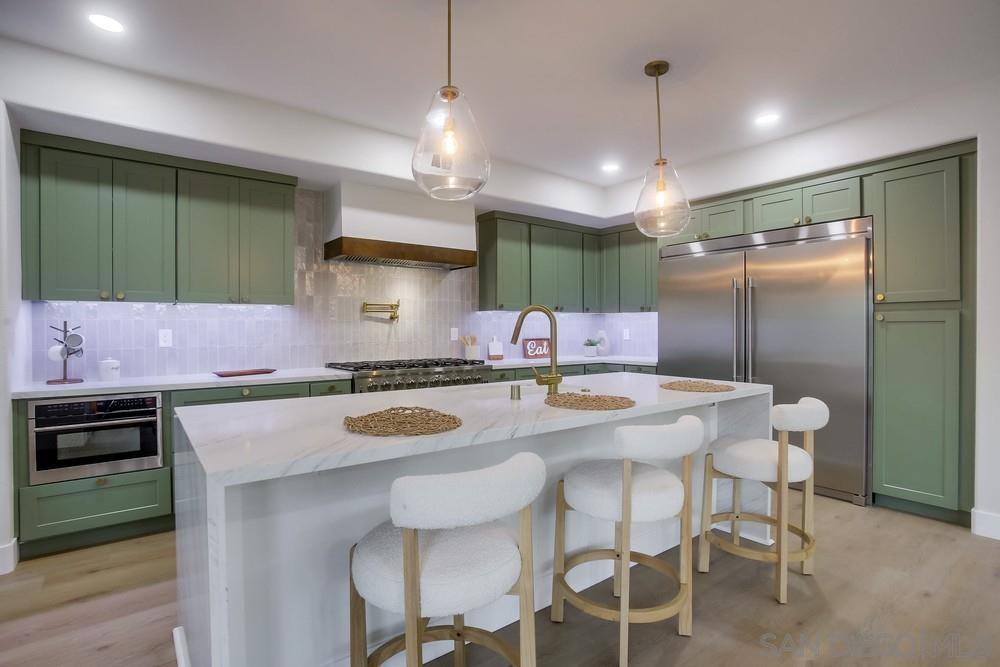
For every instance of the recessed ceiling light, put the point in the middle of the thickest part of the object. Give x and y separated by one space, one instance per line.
767 118
610 167
106 23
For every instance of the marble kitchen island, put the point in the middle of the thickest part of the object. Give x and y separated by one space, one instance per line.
270 496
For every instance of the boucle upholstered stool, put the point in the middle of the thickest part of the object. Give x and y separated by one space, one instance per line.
462 558
776 464
626 491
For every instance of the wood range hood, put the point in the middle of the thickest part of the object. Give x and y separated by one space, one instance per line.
376 225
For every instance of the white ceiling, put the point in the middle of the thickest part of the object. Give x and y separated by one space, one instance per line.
556 85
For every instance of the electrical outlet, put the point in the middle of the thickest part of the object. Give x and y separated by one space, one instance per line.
166 337
626 334
454 333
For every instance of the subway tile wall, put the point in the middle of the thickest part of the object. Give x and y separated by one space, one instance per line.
325 324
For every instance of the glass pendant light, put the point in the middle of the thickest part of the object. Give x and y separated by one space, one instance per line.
450 161
663 208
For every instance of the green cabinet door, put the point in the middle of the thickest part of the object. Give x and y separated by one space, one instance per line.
645 370
513 265
569 271
782 209
330 388
144 236
610 269
722 220
916 406
75 226
915 212
597 369
593 273
544 269
571 371
634 288
838 200
260 392
652 273
267 242
692 232
208 238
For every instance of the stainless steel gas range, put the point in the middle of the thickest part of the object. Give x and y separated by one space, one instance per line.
414 373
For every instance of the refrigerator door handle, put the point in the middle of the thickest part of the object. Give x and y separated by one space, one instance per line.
736 329
750 287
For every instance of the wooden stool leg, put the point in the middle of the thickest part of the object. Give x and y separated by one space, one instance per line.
559 559
411 595
617 583
734 525
808 500
626 561
781 538
706 515
684 619
459 655
359 626
526 591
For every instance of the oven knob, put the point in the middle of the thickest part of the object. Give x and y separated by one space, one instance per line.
410 383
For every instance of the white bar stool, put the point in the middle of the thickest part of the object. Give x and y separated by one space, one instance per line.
626 491
776 464
462 559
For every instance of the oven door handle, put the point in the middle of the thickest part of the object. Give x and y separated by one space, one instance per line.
88 425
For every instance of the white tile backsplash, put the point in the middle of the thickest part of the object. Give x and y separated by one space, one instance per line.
325 324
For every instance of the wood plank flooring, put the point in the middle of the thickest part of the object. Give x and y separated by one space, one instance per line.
884 582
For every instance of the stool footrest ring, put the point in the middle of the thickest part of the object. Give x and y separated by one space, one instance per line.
609 612
435 633
766 556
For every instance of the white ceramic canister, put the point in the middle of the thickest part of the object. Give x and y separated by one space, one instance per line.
110 370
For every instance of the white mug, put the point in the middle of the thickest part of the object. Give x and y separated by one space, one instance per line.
110 370
57 352
74 340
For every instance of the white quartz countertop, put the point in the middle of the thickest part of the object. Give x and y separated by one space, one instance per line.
174 382
239 443
570 359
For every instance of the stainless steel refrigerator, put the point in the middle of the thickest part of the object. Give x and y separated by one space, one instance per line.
790 308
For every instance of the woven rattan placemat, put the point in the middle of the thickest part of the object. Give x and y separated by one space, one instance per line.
403 421
697 385
573 401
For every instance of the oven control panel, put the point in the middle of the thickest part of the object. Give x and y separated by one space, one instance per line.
95 405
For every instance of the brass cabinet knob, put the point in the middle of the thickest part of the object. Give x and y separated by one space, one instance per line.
246 391
586 309
245 299
880 297
795 221
880 317
500 306
232 299
120 296
100 481
808 219
105 295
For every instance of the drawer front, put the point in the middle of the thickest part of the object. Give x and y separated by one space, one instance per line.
569 371
331 388
180 399
648 370
594 369
96 502
523 374
507 374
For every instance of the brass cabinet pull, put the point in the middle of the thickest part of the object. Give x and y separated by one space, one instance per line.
880 297
120 296
246 391
105 295
100 481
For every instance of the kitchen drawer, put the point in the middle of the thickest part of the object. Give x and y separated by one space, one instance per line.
96 502
507 374
523 374
260 392
594 369
569 371
648 370
330 388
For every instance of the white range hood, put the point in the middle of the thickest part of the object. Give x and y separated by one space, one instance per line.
383 226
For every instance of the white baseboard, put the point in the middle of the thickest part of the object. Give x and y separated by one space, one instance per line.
986 523
8 556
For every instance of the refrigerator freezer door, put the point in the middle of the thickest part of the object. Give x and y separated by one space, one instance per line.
807 323
701 316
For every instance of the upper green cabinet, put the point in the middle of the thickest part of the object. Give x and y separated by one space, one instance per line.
916 406
504 263
144 236
915 212
638 272
208 237
722 220
782 209
557 268
610 270
693 231
105 223
826 202
592 274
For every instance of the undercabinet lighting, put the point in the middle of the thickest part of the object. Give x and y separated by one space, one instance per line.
610 167
769 118
106 23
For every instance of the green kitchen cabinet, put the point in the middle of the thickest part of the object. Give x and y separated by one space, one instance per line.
267 242
597 369
144 232
915 213
504 374
610 273
571 370
721 220
504 263
258 392
60 508
638 256
782 209
837 200
208 237
330 388
693 231
916 406
557 268
75 226
646 370
527 373
593 273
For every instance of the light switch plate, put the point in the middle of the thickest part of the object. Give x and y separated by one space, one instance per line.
454 333
166 337
626 334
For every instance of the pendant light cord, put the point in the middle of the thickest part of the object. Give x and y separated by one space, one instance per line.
659 129
449 44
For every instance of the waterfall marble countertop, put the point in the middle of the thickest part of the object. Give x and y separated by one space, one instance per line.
174 382
574 359
241 443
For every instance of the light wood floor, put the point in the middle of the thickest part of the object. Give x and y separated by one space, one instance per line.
879 574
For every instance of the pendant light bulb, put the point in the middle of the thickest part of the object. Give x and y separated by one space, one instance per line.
450 161
663 208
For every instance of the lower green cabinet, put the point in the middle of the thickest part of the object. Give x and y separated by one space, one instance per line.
782 209
916 406
524 373
96 502
258 392
330 388
596 369
647 370
570 371
505 374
